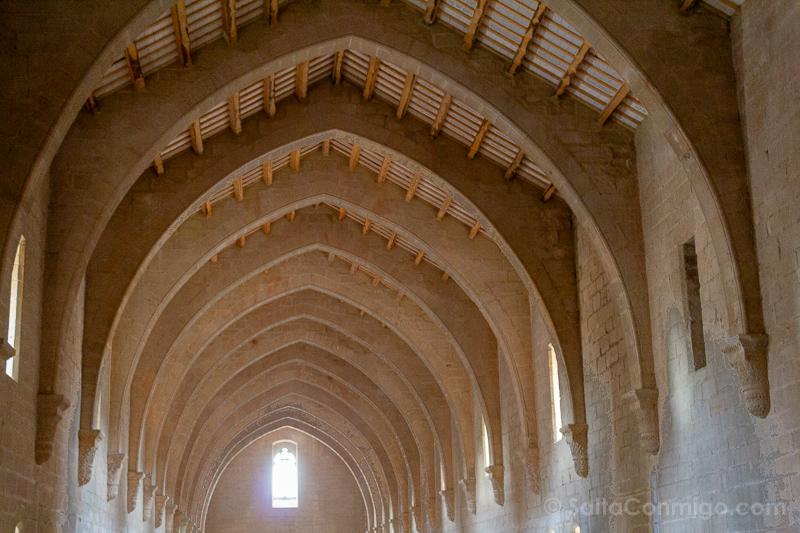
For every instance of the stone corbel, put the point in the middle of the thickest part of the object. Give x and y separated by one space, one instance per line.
496 476
49 408
449 497
747 354
148 497
161 501
430 506
169 517
532 468
416 511
645 403
134 478
577 436
6 351
114 474
469 491
405 517
88 441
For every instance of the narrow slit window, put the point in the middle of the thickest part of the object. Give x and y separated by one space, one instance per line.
487 462
555 393
284 475
15 310
697 346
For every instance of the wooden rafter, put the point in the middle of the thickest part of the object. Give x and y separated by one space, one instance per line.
418 259
266 227
354 155
474 231
527 38
445 206
376 280
353 267
181 33
207 208
573 68
512 170
474 24
134 67
326 147
405 97
392 238
384 170
238 189
337 67
362 312
214 258
158 165
372 78
400 296
365 229
266 173
271 7
229 20
197 137
342 213
548 193
444 107
431 10
290 215
413 187
91 104
235 114
269 96
301 82
688 4
241 241
294 159
445 276
476 143
614 103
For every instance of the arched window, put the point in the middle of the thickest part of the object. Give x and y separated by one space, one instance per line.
487 462
555 393
284 475
15 309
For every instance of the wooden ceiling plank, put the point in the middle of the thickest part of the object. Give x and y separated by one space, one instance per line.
181 30
512 170
527 38
229 21
372 78
405 97
614 104
134 67
413 188
269 96
476 143
235 114
301 82
197 137
573 68
474 24
444 107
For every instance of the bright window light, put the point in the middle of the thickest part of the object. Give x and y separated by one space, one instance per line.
555 393
284 479
486 460
15 309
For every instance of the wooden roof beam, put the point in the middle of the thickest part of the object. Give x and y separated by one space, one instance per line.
372 78
241 241
158 165
418 259
207 208
238 189
445 276
229 20
337 67
266 173
413 188
181 30
431 10
354 155
353 267
445 206
269 96
266 227
392 239
384 170
367 226
134 67
301 82
474 231
342 213
548 193
197 137
91 104
405 97
527 38
444 107
688 4
214 258
290 215
474 24
294 159
573 68
614 103
271 7
376 280
476 143
235 114
512 170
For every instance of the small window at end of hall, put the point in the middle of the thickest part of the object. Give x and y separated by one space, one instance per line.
15 309
487 461
555 393
284 475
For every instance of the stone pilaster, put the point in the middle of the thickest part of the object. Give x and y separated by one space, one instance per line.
115 461
134 478
405 517
49 408
532 468
747 354
496 476
88 441
646 407
469 491
449 497
577 436
416 511
430 507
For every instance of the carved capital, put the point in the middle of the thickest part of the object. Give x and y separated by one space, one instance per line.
133 489
49 408
747 354
646 407
161 501
6 351
88 441
115 461
496 474
449 498
430 507
169 517
405 517
577 436
148 497
416 511
469 491
532 468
